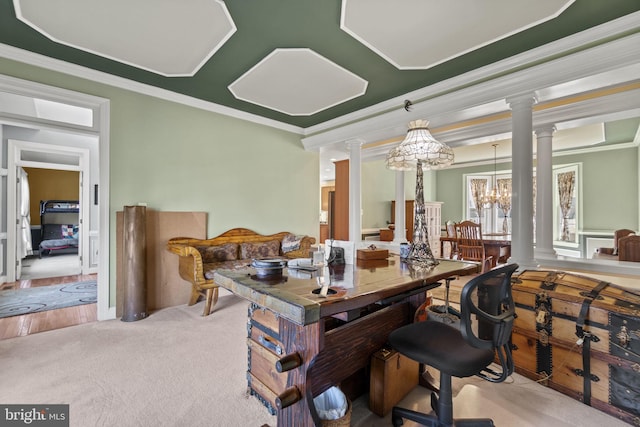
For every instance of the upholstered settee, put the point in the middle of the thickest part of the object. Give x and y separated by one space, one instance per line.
629 248
233 249
613 253
617 235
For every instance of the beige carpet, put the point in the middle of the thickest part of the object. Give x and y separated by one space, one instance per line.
173 368
178 368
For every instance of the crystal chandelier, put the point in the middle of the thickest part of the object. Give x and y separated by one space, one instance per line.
493 197
420 150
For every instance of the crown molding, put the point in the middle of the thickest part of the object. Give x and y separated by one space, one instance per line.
444 102
37 60
390 121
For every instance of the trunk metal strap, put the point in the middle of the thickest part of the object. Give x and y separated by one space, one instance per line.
586 338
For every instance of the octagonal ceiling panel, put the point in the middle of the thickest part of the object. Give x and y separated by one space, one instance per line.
170 38
419 34
297 82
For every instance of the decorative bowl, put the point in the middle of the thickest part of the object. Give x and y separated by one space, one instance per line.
268 267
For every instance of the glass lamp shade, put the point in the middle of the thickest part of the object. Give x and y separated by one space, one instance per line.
419 144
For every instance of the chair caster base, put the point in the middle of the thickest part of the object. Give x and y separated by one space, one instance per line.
396 421
429 420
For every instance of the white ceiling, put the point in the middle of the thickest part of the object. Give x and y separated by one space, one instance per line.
292 80
141 38
419 34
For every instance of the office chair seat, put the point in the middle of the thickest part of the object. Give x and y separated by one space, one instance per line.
442 346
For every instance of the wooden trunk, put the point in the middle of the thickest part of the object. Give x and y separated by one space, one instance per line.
580 336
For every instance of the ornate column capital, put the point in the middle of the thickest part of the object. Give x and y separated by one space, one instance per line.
356 142
545 131
525 100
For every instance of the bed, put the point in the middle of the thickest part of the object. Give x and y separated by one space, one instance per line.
59 220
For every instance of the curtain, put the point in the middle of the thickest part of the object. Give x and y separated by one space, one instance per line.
504 201
478 190
25 216
566 184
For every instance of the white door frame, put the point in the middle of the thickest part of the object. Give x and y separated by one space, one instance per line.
14 161
100 128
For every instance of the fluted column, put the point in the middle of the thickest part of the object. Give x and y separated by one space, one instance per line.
544 193
399 235
355 190
522 187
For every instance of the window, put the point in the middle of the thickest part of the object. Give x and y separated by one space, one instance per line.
495 218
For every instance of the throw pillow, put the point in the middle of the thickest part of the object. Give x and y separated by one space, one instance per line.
268 249
218 253
291 242
69 231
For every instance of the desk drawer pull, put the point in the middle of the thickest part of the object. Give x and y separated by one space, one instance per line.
268 343
288 362
288 397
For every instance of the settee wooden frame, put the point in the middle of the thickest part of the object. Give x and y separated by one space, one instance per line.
191 266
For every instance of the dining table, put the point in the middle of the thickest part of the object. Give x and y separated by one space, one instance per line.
496 245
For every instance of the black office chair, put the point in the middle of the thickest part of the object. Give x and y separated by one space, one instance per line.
466 351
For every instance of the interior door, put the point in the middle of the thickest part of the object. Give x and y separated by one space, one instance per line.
23 219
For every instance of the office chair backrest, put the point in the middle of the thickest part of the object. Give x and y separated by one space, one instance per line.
488 297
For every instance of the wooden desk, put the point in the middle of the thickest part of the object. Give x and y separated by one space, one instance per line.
498 246
332 337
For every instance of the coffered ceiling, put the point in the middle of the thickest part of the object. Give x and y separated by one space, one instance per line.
335 70
298 63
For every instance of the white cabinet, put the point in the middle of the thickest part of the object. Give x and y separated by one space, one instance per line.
432 213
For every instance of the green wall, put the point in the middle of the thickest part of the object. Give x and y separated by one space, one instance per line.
378 187
178 158
609 188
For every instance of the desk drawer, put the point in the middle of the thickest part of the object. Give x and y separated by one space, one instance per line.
264 317
266 338
262 365
263 393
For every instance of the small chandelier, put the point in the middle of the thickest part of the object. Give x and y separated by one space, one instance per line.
420 150
493 197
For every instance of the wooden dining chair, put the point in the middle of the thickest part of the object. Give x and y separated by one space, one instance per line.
453 244
470 244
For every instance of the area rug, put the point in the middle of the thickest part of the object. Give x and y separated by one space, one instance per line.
43 298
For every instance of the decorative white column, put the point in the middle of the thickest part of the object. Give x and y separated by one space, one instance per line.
544 193
399 235
522 175
355 190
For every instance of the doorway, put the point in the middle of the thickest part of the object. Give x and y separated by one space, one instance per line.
53 251
22 118
53 161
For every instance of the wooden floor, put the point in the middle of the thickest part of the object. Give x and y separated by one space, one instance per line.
26 324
